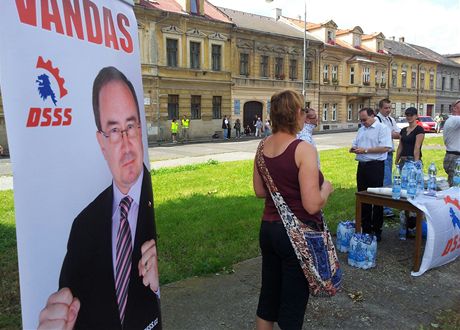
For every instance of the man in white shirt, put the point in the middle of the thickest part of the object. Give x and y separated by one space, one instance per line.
451 135
371 146
385 118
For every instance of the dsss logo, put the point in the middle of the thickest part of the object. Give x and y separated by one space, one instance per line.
46 79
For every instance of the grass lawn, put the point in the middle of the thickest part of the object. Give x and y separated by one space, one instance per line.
207 219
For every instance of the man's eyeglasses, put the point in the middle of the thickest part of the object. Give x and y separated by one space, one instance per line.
115 134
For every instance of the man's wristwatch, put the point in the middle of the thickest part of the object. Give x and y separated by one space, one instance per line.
365 151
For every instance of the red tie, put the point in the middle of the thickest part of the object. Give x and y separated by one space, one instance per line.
123 262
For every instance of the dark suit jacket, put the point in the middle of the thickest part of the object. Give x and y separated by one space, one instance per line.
88 268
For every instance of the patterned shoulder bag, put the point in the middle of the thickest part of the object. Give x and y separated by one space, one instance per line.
314 249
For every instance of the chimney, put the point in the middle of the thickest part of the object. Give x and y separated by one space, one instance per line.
278 13
401 39
392 38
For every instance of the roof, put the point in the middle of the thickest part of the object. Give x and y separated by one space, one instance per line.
403 49
372 36
435 56
210 11
264 24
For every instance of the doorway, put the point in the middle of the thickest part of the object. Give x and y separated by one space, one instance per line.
251 109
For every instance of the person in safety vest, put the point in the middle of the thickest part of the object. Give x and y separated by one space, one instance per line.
174 128
185 122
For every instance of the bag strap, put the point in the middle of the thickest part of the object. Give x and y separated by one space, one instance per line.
287 216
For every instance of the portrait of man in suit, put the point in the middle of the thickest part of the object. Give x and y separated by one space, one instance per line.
109 277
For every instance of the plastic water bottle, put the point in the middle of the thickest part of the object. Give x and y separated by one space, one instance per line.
402 226
396 190
456 179
404 175
432 179
412 183
419 170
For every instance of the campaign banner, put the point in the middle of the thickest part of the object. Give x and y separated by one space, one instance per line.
71 85
443 228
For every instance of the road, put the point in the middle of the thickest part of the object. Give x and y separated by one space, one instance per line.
170 155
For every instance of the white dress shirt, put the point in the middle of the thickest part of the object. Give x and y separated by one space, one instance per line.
391 124
135 194
451 133
373 136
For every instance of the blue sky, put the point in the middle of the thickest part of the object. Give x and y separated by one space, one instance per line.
431 23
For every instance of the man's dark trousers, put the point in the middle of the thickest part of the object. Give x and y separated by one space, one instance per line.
370 174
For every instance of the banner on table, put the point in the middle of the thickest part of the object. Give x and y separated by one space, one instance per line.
50 54
443 223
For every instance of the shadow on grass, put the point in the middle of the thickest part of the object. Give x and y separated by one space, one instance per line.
204 234
10 307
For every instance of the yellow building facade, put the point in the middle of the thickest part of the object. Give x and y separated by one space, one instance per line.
412 79
186 64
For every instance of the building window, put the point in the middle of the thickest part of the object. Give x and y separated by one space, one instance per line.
352 75
394 77
264 66
308 70
366 76
379 46
244 64
293 69
195 7
451 84
413 79
195 55
195 107
325 106
383 79
360 106
216 107
334 73
216 57
330 36
350 112
173 106
171 52
422 81
431 81
279 71
404 79
326 73
443 83
403 107
356 41
442 108
334 112
376 76
458 86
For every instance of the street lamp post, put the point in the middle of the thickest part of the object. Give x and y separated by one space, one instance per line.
304 47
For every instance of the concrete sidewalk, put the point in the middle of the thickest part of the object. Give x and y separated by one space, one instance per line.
385 297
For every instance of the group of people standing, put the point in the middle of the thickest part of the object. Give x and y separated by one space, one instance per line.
227 128
292 161
184 132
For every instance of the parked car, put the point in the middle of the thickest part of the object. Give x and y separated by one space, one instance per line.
427 123
401 122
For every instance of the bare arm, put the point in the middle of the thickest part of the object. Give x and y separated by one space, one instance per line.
257 182
313 196
418 145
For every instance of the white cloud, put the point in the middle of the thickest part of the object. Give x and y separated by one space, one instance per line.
429 23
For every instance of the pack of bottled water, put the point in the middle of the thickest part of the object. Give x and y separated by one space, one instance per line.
345 230
363 251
